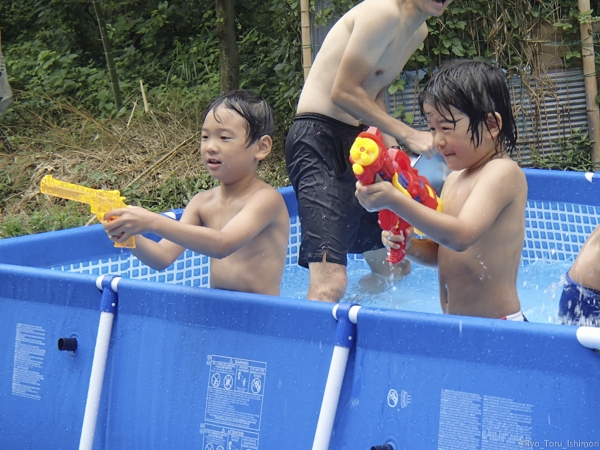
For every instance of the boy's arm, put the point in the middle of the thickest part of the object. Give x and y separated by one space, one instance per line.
423 252
137 221
158 255
497 185
368 41
187 233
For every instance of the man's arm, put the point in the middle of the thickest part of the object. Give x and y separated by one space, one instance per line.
389 141
366 46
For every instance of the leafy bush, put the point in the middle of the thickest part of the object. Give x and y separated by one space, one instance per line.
573 154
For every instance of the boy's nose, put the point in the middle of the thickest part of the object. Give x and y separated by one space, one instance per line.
208 145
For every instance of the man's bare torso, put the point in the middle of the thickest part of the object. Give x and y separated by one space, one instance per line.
408 33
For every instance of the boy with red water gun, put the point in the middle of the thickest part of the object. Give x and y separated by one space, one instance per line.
371 159
476 239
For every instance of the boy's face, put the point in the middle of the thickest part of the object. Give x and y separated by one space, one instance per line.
224 149
453 139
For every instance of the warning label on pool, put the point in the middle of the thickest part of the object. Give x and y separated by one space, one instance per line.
28 361
224 438
469 420
234 403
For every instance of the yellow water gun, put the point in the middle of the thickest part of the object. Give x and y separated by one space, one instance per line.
100 201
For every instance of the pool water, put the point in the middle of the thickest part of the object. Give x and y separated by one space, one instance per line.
539 285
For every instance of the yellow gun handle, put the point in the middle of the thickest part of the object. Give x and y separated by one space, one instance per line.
129 243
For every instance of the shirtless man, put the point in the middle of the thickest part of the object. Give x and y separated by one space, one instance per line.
476 239
363 53
242 224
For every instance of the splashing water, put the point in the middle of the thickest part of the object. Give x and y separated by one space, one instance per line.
539 285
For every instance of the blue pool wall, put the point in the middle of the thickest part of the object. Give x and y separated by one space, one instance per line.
413 380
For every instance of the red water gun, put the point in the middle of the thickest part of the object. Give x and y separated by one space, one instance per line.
370 157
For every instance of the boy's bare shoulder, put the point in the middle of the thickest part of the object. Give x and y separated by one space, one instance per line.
506 166
266 192
205 195
505 172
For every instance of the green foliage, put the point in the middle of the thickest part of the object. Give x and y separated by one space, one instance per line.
174 191
56 217
54 50
573 154
333 11
54 55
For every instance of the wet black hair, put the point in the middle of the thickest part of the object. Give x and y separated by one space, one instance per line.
252 107
476 89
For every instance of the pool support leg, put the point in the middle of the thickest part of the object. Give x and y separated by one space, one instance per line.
108 307
345 333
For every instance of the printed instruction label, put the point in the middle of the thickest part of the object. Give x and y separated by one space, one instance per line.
234 403
487 422
28 361
224 438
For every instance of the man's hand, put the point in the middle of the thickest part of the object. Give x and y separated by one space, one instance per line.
421 142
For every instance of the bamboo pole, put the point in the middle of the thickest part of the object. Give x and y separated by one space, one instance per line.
112 71
306 42
591 88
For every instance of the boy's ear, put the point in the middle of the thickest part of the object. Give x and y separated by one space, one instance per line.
263 147
494 124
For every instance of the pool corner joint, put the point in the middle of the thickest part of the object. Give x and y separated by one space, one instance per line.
589 337
108 284
347 316
592 177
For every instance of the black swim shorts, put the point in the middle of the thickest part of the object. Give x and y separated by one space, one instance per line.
317 149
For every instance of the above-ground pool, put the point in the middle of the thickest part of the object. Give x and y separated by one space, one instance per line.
104 352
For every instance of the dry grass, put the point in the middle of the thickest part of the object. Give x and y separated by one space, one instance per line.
136 153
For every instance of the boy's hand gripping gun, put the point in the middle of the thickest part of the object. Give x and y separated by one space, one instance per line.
100 201
370 157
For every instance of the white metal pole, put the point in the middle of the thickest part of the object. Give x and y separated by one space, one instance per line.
108 305
346 315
